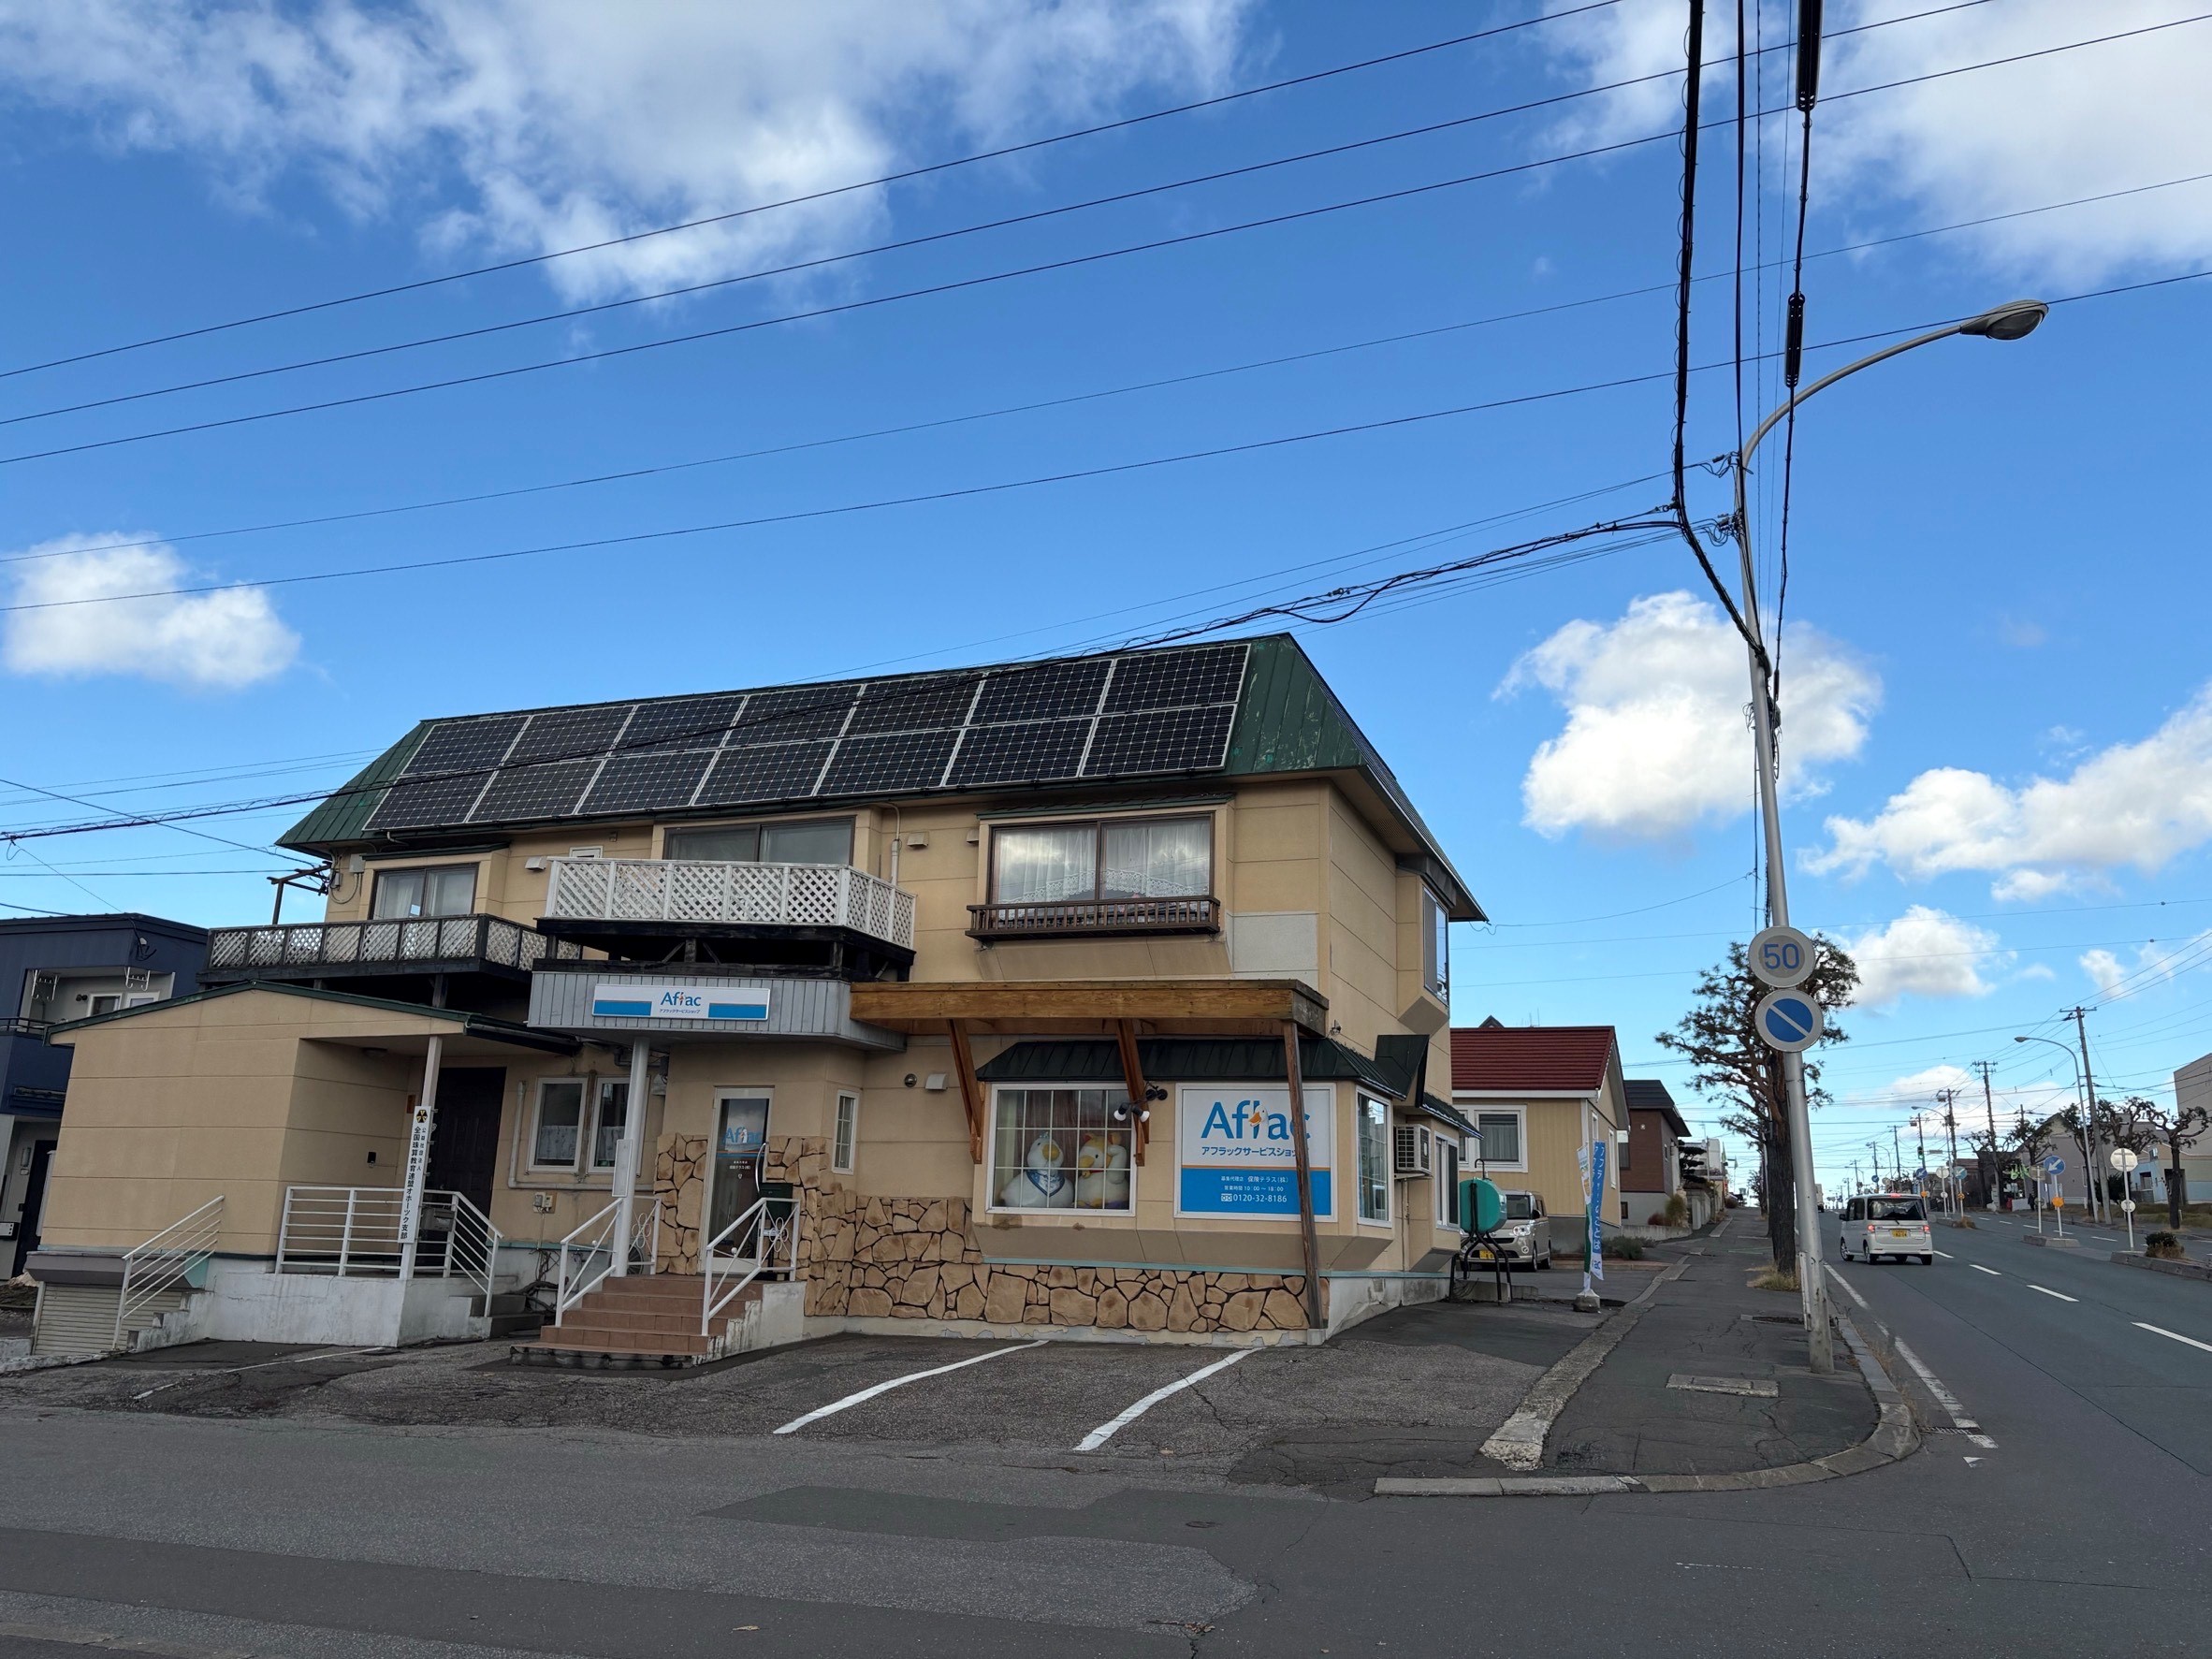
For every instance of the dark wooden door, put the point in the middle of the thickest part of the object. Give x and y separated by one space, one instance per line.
27 1234
465 1137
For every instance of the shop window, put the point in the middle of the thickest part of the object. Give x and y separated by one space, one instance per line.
612 1115
443 890
555 1136
1448 1181
804 840
1375 1160
1105 859
1501 1138
1435 945
846 1136
1062 1149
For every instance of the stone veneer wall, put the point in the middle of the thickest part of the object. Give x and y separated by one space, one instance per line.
916 1258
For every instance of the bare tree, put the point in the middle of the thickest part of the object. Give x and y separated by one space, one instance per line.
2176 1130
1728 1060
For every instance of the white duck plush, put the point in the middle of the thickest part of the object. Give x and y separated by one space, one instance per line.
1101 1175
1040 1183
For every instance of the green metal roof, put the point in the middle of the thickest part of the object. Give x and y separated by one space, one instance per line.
1286 721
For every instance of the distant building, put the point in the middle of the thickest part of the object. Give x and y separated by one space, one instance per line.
1650 1158
1539 1095
61 969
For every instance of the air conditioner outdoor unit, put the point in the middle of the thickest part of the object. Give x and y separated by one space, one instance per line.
1410 1146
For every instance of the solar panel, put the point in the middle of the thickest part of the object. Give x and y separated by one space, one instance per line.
873 765
1034 753
1177 680
546 790
1049 689
914 704
1092 717
653 780
457 745
788 716
1160 741
565 734
423 802
766 771
683 722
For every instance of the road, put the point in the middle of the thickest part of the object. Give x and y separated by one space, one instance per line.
2079 1530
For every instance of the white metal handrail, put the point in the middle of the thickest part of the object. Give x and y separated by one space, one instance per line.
644 1237
356 1232
593 1237
709 890
750 1245
167 1259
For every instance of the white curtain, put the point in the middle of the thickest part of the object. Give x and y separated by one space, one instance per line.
1170 859
1045 865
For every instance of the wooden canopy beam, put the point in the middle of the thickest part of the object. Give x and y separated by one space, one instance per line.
971 1089
1032 1008
1132 1072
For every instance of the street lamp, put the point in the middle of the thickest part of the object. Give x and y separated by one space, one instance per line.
2088 1177
2014 320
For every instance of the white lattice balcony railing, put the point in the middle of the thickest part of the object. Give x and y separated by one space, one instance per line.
709 892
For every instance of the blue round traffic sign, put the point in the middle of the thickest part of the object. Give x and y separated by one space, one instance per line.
2054 1166
1789 1021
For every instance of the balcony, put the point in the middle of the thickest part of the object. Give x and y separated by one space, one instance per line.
821 917
381 949
1095 917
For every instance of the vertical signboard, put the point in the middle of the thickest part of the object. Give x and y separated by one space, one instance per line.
1595 1204
1235 1153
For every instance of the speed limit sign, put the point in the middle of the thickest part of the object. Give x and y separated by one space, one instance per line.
1781 957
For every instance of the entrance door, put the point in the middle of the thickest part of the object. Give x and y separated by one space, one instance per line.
465 1136
741 1137
26 1235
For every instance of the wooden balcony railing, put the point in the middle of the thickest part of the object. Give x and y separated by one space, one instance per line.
319 949
1095 917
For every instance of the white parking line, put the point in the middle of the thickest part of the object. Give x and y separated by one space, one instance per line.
1944 1398
1980 1268
1105 1432
2060 1294
1848 1288
819 1412
2176 1335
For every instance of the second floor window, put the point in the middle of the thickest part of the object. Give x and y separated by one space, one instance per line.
808 840
1435 944
444 890
1103 859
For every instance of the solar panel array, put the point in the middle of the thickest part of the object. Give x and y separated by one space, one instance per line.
1088 718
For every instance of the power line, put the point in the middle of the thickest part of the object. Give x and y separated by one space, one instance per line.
893 178
965 283
938 423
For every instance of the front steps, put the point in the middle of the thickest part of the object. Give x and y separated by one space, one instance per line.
642 1320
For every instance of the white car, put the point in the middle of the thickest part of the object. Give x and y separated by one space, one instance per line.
1524 1236
1892 1224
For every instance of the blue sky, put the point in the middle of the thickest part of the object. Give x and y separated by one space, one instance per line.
1999 751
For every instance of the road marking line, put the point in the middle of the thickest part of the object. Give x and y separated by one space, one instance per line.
2174 1334
1849 1289
2060 1294
1980 1268
1984 1441
1107 1430
899 1382
2105 1238
1946 1255
1944 1398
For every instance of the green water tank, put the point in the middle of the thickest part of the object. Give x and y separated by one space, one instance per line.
1480 1206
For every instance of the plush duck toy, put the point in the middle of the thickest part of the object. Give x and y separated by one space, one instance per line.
1101 1175
1039 1183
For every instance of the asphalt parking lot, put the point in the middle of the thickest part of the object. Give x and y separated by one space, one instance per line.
1413 1392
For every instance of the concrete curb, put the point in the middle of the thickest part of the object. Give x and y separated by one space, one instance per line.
1519 1441
1893 1438
2179 1269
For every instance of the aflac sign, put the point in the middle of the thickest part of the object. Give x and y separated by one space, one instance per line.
682 999
1236 1156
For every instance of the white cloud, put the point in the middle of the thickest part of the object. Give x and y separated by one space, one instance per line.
1655 740
2104 970
204 641
2074 123
1924 953
2133 804
1917 1093
2154 962
518 127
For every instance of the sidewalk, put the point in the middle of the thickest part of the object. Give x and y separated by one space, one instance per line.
1635 1416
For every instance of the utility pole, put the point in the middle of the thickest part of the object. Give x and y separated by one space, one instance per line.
1897 1154
1920 1131
1990 1107
1951 1128
1874 1156
2088 1087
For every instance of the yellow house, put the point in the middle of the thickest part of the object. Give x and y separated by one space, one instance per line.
1541 1097
961 1001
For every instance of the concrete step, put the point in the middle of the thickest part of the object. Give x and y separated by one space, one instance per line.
592 1339
516 1324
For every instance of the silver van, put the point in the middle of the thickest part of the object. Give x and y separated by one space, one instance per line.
1892 1224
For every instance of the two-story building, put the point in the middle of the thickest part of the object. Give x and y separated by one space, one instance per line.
1651 1158
971 1001
59 968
